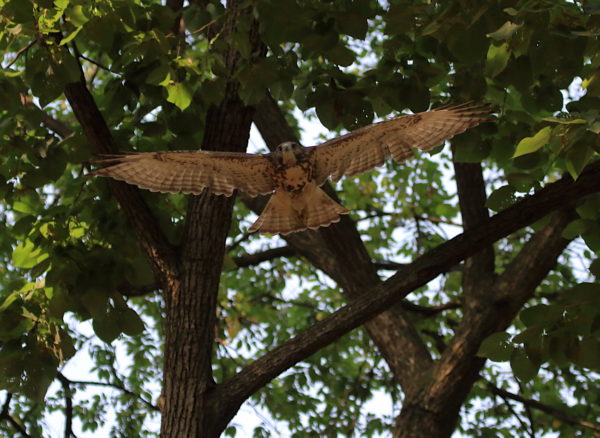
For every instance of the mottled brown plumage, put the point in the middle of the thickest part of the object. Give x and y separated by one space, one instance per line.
294 173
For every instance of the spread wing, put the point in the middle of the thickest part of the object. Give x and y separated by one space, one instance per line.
191 171
368 147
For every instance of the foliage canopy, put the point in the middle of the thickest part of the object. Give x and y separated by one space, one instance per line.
497 327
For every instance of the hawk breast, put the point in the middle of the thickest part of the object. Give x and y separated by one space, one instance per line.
294 178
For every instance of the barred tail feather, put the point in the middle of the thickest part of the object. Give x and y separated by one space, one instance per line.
321 210
285 213
278 216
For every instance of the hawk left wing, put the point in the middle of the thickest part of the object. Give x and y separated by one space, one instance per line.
368 147
192 171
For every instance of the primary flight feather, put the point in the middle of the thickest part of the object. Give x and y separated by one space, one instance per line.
292 173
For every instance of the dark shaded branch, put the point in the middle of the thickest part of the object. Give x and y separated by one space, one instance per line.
191 310
458 368
338 251
54 125
554 412
394 266
428 311
68 405
246 260
418 273
130 290
150 235
97 64
478 271
5 415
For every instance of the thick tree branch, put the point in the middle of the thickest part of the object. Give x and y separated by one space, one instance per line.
457 370
255 375
556 413
338 251
149 233
191 310
478 271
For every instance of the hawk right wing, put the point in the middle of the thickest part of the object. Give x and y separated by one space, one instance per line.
368 147
191 171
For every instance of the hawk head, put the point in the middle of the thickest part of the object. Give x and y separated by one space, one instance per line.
288 153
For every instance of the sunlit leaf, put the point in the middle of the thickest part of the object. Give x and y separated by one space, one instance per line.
532 144
179 94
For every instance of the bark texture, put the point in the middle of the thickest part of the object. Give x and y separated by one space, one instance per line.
191 309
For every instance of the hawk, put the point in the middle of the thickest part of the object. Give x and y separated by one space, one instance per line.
293 174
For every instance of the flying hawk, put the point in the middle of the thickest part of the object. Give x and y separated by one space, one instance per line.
292 173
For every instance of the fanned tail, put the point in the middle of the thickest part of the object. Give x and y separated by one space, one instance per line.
278 216
321 210
285 213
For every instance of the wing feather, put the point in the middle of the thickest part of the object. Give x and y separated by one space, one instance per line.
368 147
191 171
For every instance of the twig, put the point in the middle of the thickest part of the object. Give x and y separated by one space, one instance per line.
200 29
68 405
120 388
516 415
556 413
237 243
103 67
19 53
528 412
5 415
281 300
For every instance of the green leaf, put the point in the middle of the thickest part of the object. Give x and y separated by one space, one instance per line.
341 55
577 158
179 94
522 366
541 315
496 347
590 353
501 198
532 144
576 228
130 322
497 59
595 268
107 327
95 301
26 255
353 23
505 31
70 37
522 182
159 74
76 15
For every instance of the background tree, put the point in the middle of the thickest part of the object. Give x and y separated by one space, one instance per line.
220 317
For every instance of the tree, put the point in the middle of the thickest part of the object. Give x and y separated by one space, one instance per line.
311 325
